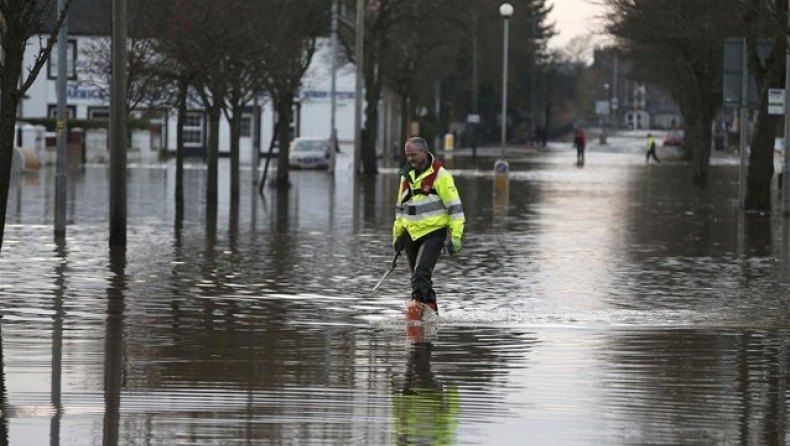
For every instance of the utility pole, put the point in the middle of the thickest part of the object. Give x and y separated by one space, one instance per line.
506 12
118 115
744 121
475 93
256 138
786 167
533 76
359 54
333 93
61 130
437 108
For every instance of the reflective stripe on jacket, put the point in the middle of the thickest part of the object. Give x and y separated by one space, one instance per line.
419 211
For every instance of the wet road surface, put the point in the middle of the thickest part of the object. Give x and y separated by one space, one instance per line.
611 304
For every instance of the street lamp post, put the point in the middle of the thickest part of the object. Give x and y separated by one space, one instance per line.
501 167
505 10
333 94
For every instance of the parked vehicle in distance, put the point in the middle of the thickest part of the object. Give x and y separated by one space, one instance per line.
309 152
674 138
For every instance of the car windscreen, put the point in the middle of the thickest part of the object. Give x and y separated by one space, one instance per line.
311 146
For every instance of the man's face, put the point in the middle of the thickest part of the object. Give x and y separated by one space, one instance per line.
415 156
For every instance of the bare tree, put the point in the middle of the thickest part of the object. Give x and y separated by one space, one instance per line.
148 86
764 19
388 24
410 45
290 38
173 46
679 46
205 32
22 20
245 75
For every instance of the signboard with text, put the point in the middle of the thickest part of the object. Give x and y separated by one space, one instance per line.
601 107
776 101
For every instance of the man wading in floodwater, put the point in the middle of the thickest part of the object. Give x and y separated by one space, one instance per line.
428 206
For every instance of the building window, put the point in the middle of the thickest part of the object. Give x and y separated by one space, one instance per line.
246 126
194 129
99 113
71 111
71 61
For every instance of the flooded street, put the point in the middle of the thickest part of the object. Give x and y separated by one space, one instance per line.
613 304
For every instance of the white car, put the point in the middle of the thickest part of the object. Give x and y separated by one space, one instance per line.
309 152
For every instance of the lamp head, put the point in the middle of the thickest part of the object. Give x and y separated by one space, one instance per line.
506 10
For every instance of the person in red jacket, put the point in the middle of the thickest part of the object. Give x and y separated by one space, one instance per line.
580 142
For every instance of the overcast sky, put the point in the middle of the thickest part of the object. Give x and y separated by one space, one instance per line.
573 18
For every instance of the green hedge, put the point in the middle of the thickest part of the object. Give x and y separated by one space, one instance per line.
50 123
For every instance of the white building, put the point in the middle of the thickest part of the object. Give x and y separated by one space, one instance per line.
88 98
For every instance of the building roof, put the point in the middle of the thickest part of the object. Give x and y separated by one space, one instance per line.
86 17
94 17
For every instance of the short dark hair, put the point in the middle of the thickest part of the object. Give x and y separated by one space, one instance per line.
419 143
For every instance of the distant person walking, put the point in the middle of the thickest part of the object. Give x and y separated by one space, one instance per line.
651 149
580 142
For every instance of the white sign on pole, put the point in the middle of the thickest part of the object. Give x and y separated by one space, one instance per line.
601 107
776 101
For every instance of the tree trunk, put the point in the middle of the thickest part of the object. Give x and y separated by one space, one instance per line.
370 135
284 110
761 149
8 105
235 135
761 161
372 94
405 116
183 89
698 138
212 160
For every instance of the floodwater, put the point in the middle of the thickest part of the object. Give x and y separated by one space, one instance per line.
613 304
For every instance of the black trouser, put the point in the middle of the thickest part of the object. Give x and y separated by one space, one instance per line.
423 254
579 153
652 152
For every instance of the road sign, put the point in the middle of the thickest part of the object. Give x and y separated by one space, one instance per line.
776 101
601 107
473 119
615 103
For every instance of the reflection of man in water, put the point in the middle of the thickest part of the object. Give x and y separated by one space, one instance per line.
426 411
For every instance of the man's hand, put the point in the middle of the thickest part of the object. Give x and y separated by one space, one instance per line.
398 244
454 245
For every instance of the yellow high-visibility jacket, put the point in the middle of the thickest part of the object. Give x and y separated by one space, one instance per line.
651 143
428 202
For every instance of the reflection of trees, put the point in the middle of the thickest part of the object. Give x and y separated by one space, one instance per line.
471 359
670 214
681 238
267 358
478 356
668 385
270 369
